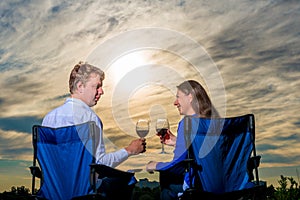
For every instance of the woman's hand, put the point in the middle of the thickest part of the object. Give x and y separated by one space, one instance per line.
151 167
169 139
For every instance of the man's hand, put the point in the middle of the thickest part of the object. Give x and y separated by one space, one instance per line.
136 146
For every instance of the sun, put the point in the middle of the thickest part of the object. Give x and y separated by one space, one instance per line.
126 63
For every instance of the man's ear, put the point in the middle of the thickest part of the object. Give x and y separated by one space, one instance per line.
80 87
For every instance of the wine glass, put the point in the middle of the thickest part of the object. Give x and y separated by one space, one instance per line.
162 126
142 127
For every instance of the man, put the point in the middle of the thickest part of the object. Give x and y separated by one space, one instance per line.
85 86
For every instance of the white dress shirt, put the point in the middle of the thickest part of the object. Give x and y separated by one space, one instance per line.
75 111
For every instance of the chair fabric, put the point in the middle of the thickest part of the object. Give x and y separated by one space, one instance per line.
64 156
221 151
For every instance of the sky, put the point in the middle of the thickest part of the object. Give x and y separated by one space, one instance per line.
245 53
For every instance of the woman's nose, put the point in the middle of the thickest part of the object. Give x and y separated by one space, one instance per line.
175 102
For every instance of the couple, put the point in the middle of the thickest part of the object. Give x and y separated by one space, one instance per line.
85 85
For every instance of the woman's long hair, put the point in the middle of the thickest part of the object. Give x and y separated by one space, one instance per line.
201 102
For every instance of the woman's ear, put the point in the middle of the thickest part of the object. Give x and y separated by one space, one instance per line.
190 96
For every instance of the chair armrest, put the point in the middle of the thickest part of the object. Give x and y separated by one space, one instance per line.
173 168
188 160
36 171
254 162
105 171
191 163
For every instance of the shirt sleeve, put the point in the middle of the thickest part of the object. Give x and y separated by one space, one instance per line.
112 159
180 152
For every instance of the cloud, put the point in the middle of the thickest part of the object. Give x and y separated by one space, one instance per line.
15 145
255 46
280 160
19 124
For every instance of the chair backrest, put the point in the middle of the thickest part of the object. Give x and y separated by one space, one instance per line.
222 148
64 155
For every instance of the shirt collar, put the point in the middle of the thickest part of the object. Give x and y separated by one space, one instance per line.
77 101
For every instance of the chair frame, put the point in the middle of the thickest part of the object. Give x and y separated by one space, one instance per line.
37 172
254 161
96 170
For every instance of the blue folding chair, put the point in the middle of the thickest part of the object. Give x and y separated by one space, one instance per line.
66 163
221 159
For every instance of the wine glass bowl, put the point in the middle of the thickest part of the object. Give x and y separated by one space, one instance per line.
162 126
142 128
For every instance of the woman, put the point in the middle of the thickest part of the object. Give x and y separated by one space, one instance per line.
191 100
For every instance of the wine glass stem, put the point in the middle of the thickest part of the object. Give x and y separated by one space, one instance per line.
162 148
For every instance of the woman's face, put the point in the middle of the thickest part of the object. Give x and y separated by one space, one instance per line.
183 103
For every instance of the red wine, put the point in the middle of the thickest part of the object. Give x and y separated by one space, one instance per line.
162 132
142 133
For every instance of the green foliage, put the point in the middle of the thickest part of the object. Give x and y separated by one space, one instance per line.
20 193
288 190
